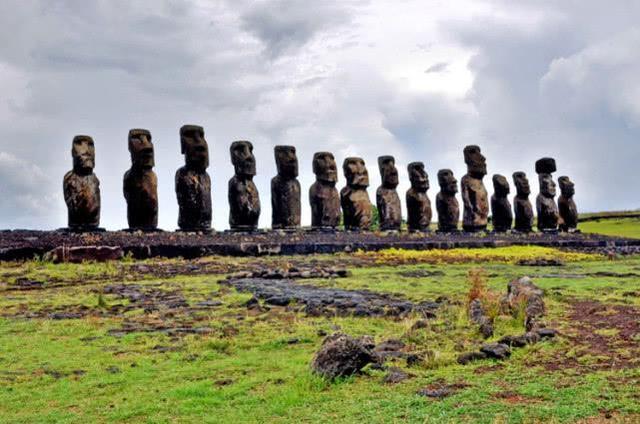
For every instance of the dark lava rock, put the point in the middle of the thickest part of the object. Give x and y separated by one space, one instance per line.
521 340
477 316
523 290
278 300
342 355
78 254
465 358
540 262
496 350
546 333
395 375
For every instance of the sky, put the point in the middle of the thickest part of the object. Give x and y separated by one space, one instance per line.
417 79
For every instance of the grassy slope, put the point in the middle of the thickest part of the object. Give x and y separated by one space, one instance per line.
624 227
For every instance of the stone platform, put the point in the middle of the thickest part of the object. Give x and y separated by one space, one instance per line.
23 244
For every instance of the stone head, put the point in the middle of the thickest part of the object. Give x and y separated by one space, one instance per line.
476 162
355 172
418 176
286 161
500 185
522 184
547 185
194 147
325 168
567 187
388 171
141 149
242 158
448 183
83 153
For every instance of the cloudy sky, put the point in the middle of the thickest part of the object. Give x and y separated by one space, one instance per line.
415 79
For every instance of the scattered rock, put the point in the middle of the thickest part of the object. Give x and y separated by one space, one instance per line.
496 350
540 262
395 375
523 291
342 355
78 254
441 390
478 316
465 358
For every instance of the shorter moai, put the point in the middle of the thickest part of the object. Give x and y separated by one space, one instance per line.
522 208
285 190
324 198
193 184
567 206
140 183
244 200
387 199
446 202
82 188
356 206
545 202
418 203
502 215
474 194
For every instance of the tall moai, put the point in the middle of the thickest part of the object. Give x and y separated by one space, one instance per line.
419 212
545 202
140 183
354 199
81 187
193 184
285 190
446 202
324 198
244 200
474 194
387 199
501 213
522 208
567 206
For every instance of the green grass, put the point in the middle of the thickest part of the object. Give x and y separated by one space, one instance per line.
623 227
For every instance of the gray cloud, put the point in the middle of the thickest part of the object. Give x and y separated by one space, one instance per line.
437 67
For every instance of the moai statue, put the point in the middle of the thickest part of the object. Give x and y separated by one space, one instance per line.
82 188
193 184
418 203
354 198
140 183
446 202
387 199
474 194
285 190
323 195
522 207
244 201
500 205
545 202
566 206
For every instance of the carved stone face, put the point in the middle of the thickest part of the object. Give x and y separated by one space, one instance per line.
547 186
355 172
141 149
83 153
448 183
418 176
567 187
522 184
388 171
325 168
476 162
286 161
194 147
500 185
242 158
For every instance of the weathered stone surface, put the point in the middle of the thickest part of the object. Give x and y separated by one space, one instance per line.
521 205
545 202
82 187
567 206
341 355
78 254
387 199
446 202
140 183
285 190
474 194
354 199
477 316
523 290
418 204
244 200
496 350
502 215
395 375
465 358
193 184
323 195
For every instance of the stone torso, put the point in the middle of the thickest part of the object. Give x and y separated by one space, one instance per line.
389 209
523 213
285 203
244 204
356 207
418 210
141 193
194 199
501 213
568 213
476 203
325 205
448 212
82 196
547 213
